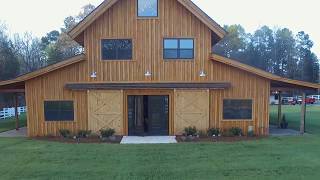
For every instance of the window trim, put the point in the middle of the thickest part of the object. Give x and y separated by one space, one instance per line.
147 17
179 58
61 121
237 120
118 60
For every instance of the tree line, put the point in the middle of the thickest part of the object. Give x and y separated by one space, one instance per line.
20 54
278 51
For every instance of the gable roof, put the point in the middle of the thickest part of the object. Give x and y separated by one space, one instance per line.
44 70
261 73
106 4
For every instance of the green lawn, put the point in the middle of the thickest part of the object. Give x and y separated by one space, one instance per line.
10 123
293 114
271 158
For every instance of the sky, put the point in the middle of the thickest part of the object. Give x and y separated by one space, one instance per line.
42 16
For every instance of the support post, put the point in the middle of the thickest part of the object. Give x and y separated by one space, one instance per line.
279 109
16 99
303 114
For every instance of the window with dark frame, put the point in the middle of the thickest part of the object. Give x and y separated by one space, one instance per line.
147 8
116 49
58 111
237 109
174 48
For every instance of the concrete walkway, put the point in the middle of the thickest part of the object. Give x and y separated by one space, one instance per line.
13 133
148 140
275 131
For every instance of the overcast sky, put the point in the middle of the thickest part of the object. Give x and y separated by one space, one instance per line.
42 16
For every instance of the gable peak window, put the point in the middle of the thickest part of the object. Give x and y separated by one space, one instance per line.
116 49
147 8
174 48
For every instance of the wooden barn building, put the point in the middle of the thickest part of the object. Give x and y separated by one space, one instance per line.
148 69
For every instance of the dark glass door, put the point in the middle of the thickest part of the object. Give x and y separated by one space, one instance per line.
148 115
158 115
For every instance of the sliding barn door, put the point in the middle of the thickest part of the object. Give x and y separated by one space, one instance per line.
191 109
105 110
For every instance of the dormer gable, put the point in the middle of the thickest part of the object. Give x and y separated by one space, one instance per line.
77 33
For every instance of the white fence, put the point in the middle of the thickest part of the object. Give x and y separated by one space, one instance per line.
10 112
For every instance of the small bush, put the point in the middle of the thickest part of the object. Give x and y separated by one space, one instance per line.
64 133
83 133
235 131
213 132
190 131
106 133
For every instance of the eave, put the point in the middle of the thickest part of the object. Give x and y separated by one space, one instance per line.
19 83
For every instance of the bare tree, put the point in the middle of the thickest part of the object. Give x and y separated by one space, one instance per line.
30 52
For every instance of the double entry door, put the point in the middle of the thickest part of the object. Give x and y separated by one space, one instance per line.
148 115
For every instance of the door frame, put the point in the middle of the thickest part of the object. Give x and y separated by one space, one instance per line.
146 92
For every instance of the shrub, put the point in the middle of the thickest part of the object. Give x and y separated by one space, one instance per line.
213 132
83 133
64 133
106 133
235 131
190 131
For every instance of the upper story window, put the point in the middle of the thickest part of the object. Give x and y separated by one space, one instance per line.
116 49
147 8
58 111
178 49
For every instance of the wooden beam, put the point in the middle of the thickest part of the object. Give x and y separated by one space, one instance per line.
303 114
126 86
12 90
16 99
279 109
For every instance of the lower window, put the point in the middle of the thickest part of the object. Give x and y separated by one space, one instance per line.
237 109
58 110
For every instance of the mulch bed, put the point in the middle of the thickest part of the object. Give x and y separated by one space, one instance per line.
88 140
117 139
184 139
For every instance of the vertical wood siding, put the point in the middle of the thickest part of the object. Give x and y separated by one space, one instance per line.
147 35
51 87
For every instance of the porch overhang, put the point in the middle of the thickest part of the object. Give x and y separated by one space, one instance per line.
18 87
277 83
289 87
145 85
